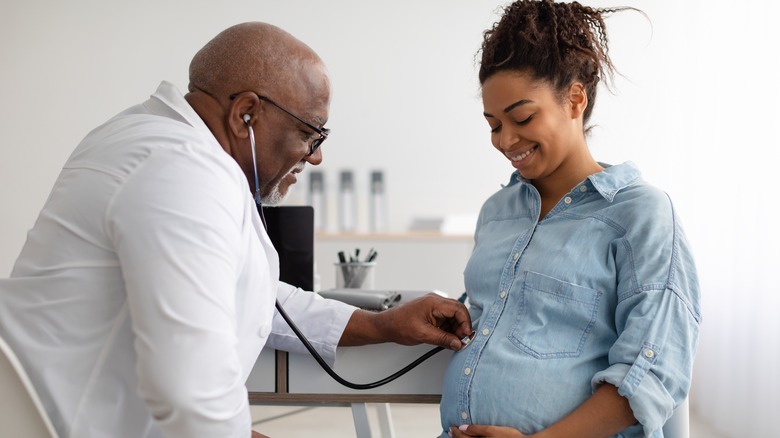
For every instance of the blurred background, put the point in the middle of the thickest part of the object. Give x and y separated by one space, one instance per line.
696 107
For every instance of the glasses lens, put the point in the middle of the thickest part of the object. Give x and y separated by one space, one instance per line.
315 145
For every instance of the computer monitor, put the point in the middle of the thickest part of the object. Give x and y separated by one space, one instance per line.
291 229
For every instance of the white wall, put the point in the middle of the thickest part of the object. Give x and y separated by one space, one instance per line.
697 110
405 98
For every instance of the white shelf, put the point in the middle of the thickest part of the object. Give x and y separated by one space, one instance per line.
409 261
404 236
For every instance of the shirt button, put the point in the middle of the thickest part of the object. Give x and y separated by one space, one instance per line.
502 294
485 332
467 371
567 200
464 415
516 256
265 330
583 189
649 354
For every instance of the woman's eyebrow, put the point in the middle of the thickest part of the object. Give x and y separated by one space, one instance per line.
512 106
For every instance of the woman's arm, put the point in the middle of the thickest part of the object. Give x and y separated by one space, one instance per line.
604 414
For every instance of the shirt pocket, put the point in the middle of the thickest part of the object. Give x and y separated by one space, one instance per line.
555 317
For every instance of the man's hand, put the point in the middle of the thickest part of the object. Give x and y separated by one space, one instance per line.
430 319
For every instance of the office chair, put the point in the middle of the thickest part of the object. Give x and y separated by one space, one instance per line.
678 426
21 412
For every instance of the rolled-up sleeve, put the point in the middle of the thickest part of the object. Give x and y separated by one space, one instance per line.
322 321
657 318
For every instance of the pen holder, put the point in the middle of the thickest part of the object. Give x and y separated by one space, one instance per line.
355 275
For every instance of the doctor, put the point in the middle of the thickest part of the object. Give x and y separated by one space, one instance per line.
146 288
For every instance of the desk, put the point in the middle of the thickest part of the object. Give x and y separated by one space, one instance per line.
296 379
279 378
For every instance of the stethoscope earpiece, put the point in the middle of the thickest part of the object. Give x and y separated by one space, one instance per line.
247 118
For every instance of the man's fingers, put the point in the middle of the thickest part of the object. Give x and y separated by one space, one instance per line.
430 319
453 320
451 342
450 309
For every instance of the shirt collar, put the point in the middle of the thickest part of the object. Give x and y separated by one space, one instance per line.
615 178
608 182
167 100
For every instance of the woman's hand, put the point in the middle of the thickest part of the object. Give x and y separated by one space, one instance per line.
258 435
478 430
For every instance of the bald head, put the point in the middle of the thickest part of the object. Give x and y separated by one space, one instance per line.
264 95
259 57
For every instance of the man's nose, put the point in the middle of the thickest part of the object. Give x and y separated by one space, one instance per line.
315 158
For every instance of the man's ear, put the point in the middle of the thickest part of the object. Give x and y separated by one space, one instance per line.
242 113
577 99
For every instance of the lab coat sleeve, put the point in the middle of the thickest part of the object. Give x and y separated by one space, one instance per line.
176 226
321 320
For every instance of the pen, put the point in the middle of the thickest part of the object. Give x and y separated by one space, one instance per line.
353 272
344 268
361 270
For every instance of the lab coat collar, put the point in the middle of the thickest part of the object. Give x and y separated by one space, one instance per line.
176 106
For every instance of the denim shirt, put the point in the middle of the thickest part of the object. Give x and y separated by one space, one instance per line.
603 289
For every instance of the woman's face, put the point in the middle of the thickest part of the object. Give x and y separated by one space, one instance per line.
536 131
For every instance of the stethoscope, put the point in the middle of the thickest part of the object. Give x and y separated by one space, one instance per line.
295 328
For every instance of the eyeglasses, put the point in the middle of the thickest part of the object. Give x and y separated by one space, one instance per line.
323 133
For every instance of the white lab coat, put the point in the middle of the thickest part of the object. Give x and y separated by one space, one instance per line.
146 288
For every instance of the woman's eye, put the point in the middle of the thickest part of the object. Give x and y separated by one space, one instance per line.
525 121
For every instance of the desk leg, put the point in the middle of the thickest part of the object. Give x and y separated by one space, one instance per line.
385 420
360 417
